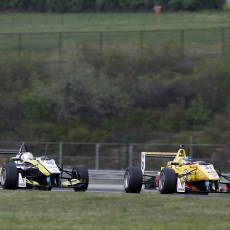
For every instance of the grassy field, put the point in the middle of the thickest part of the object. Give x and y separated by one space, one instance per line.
47 22
70 210
52 34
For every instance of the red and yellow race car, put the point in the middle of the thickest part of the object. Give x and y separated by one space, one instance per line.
181 174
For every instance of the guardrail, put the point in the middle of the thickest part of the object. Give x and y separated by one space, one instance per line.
118 156
106 176
8 151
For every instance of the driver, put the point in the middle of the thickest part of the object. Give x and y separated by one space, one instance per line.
27 156
187 160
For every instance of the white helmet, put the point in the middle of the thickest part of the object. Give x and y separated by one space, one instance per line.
27 156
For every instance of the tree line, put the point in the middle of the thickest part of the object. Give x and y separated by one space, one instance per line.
64 6
92 95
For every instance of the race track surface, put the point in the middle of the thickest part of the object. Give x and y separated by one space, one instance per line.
119 188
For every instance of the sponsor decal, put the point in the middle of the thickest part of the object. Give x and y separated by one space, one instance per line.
21 181
180 185
211 171
50 162
185 174
50 165
142 162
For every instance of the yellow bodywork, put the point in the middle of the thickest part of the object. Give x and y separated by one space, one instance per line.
41 168
193 172
44 171
179 174
71 182
32 182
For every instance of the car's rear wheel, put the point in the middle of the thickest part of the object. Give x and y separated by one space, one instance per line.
9 176
167 181
133 180
81 173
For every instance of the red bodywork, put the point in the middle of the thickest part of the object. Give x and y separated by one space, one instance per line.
226 188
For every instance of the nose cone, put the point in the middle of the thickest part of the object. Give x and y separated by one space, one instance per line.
209 172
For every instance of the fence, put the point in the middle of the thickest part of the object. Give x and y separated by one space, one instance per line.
215 41
118 156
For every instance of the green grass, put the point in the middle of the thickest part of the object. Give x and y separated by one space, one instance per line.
37 34
48 22
70 210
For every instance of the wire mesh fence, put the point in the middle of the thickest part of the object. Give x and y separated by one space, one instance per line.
215 41
118 156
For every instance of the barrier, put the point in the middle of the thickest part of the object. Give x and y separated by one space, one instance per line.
118 156
213 41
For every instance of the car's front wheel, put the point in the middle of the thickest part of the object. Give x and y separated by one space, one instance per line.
133 180
81 173
9 176
167 181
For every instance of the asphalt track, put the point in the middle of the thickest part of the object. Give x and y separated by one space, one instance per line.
119 189
111 188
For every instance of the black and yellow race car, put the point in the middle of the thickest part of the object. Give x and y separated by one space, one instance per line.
26 171
181 174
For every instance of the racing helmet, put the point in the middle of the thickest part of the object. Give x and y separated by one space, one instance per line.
187 160
27 156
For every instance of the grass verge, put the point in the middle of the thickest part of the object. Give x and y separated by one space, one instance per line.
50 22
70 210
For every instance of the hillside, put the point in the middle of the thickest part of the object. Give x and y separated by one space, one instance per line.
92 95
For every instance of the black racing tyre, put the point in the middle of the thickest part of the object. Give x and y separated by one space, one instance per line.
9 176
167 181
81 173
133 180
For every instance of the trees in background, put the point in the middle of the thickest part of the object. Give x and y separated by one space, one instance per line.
107 5
91 95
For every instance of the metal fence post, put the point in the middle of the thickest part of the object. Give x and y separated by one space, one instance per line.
97 156
60 45
130 154
182 42
191 147
19 44
60 153
222 40
141 39
101 42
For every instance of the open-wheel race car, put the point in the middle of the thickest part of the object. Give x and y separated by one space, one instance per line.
26 171
181 174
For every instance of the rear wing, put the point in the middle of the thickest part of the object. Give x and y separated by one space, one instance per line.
145 155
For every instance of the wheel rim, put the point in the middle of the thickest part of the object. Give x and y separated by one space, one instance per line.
75 172
161 181
3 176
127 179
